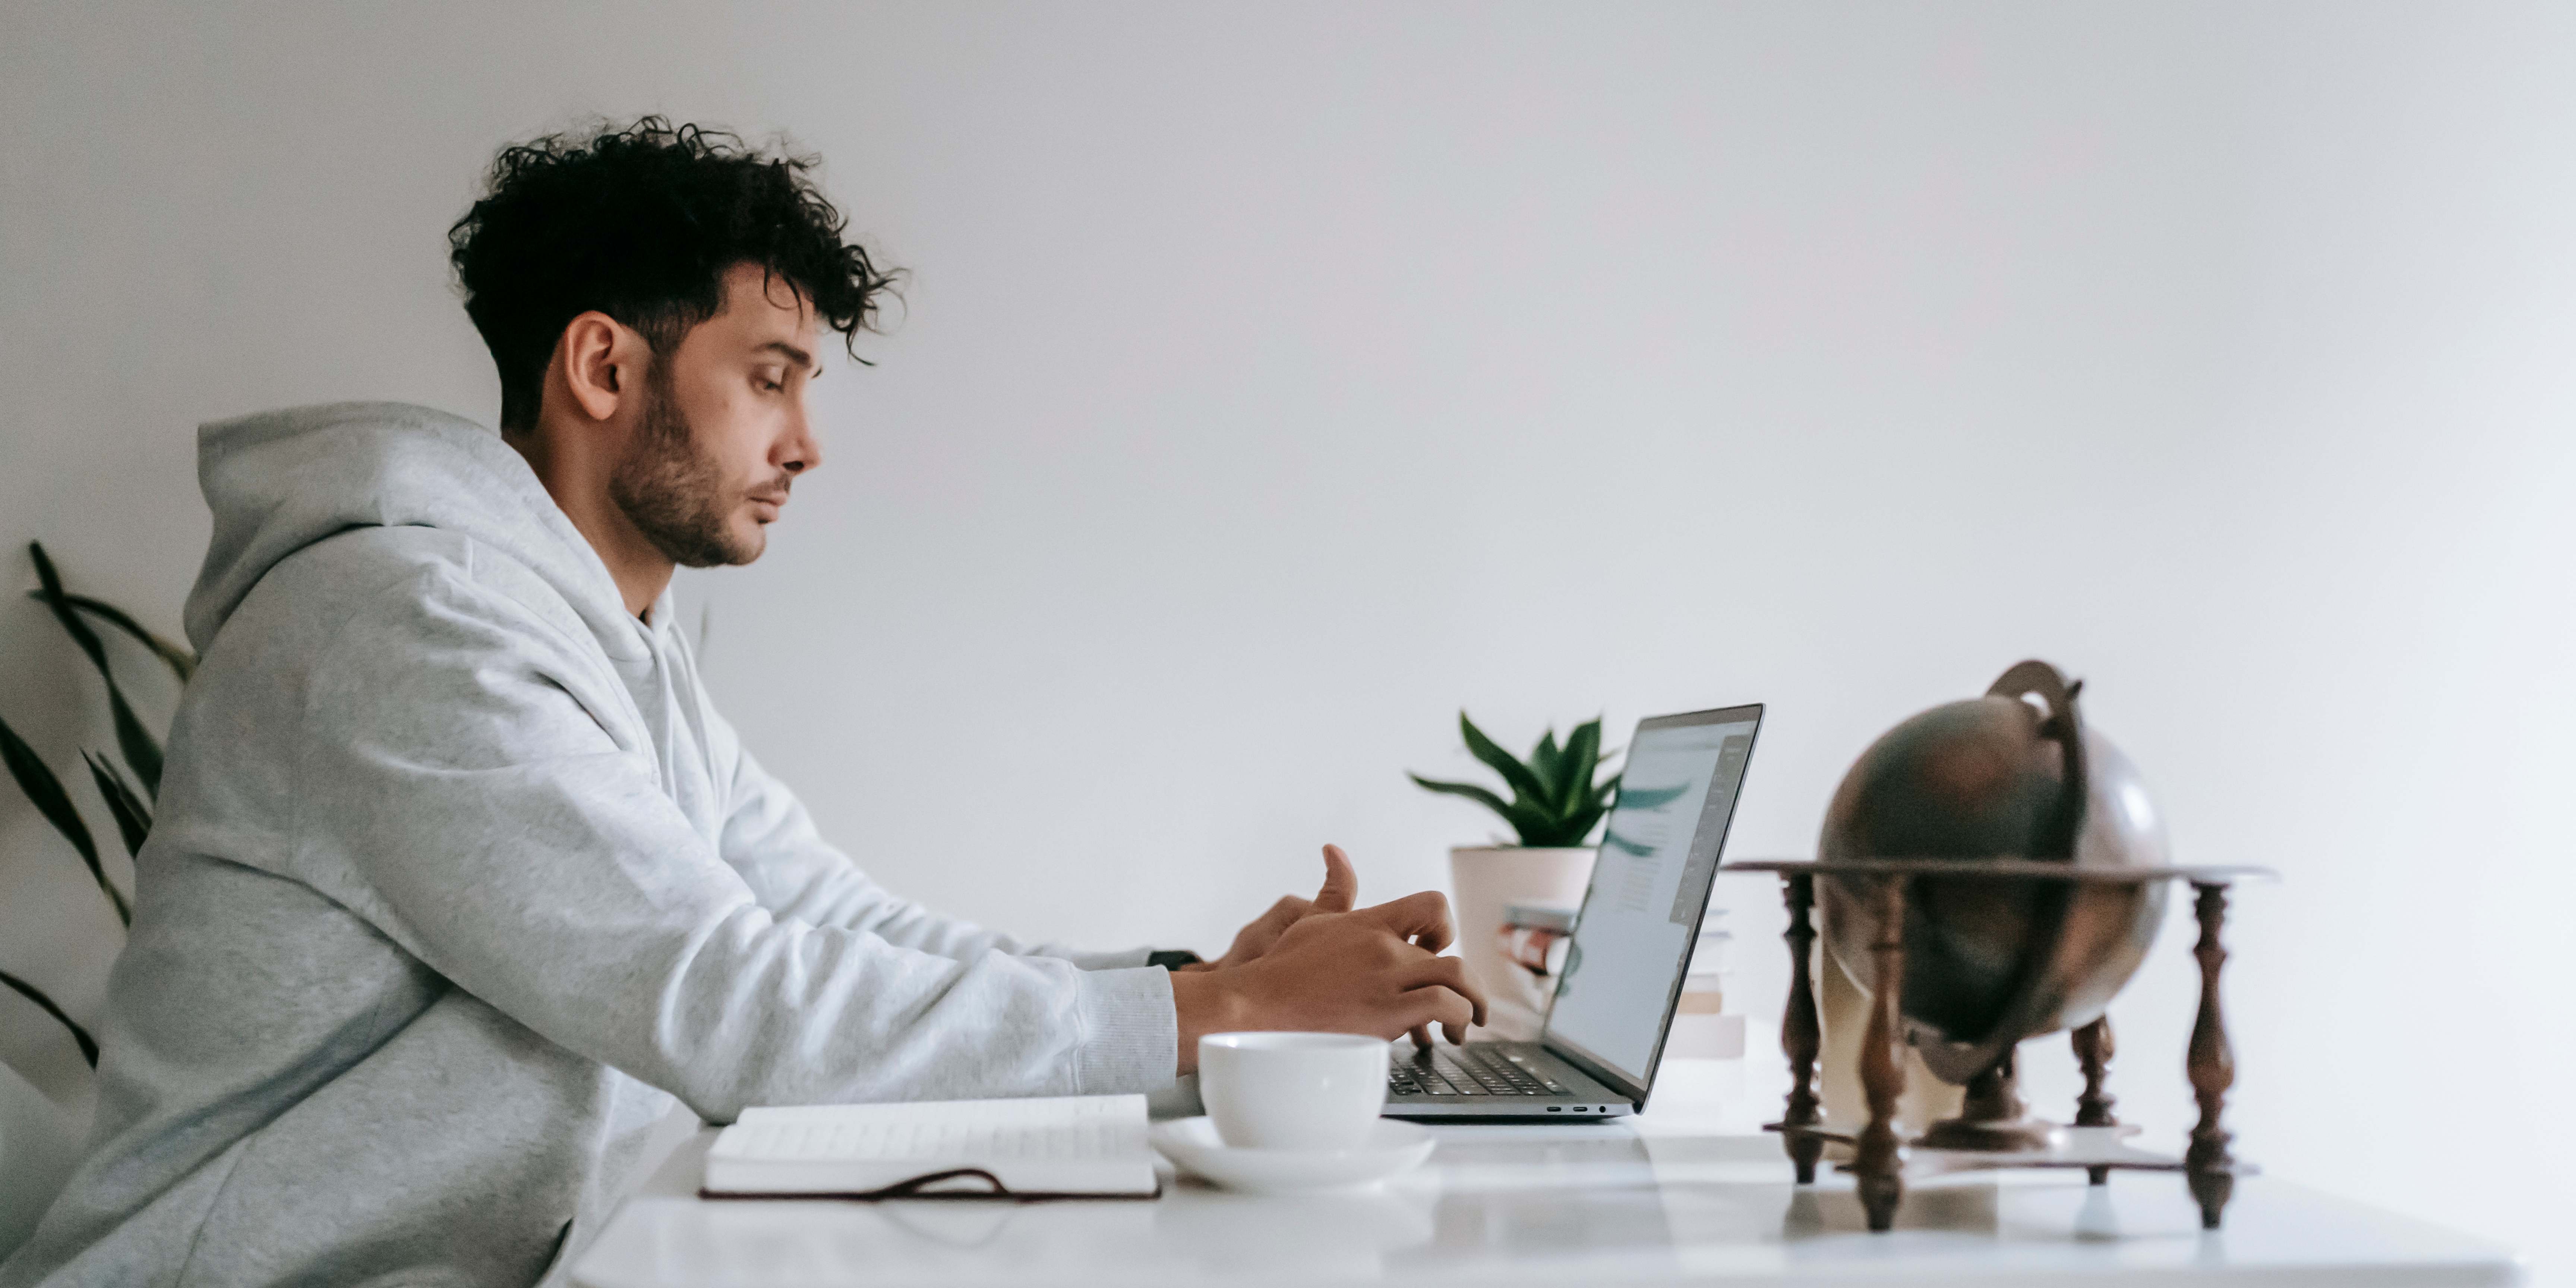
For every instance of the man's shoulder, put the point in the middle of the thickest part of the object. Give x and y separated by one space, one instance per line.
364 561
397 580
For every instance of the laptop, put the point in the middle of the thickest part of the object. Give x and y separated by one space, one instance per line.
1622 979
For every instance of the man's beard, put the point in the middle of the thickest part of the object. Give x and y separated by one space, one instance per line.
673 494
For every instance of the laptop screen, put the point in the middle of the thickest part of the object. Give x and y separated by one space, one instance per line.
1641 914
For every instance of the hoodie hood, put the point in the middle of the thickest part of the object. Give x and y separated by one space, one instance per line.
280 481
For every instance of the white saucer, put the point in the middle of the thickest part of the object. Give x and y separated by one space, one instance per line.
1392 1147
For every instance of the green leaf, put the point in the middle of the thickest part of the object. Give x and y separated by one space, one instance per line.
182 663
1468 790
51 594
142 752
1584 819
1582 755
1524 784
1546 760
133 817
1536 828
1532 826
1607 792
46 793
1560 831
88 1045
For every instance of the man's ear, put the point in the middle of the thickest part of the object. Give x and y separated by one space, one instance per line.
602 361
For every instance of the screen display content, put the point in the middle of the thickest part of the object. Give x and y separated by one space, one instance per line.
1649 887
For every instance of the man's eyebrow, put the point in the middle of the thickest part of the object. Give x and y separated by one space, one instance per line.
793 354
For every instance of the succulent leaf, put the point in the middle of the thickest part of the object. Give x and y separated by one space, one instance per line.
1581 755
182 662
133 817
133 823
1525 785
1547 761
1554 800
1534 828
46 793
80 1036
1468 790
142 752
1578 825
181 659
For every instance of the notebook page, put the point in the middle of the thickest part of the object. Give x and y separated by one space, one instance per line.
926 1141
1033 1111
1072 1142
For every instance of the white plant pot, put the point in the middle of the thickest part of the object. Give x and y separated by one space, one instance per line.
1483 880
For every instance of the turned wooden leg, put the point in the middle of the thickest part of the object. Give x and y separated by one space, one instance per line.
2093 1051
2207 1164
1882 1075
1995 1095
1800 1035
1992 1118
1994 1098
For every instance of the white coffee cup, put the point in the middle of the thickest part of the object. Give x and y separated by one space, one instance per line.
1292 1090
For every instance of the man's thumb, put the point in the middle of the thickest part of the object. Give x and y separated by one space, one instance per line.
1341 889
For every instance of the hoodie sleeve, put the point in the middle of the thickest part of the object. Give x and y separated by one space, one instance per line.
795 873
470 782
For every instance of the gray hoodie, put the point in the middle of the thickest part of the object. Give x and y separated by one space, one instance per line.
459 879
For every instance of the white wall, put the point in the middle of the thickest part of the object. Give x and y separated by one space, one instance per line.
1278 379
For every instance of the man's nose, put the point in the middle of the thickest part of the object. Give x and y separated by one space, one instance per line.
800 452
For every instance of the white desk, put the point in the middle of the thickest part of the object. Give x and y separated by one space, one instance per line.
1682 1195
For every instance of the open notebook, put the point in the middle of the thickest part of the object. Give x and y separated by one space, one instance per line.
1062 1147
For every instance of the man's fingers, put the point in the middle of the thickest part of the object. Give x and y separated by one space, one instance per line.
1448 973
1421 1037
1419 1008
1341 882
1288 911
1422 917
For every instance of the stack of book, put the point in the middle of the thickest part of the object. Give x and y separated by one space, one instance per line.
1702 1028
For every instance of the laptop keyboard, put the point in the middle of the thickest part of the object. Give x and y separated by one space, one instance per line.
1480 1069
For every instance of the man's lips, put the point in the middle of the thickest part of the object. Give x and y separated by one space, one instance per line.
770 503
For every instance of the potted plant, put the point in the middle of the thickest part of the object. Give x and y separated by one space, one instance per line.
1557 799
39 1140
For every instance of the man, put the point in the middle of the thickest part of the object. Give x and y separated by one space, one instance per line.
459 880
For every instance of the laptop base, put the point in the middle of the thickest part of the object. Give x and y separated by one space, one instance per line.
1495 1082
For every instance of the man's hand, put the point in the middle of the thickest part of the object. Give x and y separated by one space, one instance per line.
1341 890
1370 971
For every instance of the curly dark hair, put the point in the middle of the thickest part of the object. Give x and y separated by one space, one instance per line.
641 222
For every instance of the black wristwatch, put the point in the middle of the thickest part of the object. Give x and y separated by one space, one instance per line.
1172 958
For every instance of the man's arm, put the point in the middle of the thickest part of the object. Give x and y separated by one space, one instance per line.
1356 978
458 792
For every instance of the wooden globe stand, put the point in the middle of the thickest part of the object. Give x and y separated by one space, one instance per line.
1991 1131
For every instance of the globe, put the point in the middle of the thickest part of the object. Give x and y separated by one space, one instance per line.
1991 961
